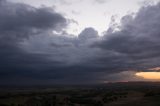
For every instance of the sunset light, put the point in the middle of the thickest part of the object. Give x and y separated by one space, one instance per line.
149 75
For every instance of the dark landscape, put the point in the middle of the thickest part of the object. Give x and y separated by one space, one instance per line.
111 94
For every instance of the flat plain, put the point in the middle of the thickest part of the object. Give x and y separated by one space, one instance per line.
111 94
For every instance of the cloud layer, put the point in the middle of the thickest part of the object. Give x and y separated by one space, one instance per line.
35 49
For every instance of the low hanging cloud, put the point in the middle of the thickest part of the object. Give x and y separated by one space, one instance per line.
19 22
32 53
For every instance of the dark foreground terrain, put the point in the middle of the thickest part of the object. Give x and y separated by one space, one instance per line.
111 94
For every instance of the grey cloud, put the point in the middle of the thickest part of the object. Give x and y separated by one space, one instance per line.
21 16
101 1
138 38
32 52
19 22
88 33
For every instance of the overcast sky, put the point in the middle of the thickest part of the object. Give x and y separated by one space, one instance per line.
78 41
90 13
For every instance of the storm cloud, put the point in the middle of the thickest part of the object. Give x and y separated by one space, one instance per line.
138 38
35 49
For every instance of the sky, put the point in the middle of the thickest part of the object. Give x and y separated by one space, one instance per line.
79 41
90 13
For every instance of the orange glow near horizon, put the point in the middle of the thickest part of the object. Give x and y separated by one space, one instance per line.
149 75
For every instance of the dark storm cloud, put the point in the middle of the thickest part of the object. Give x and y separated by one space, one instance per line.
138 39
21 16
19 22
33 54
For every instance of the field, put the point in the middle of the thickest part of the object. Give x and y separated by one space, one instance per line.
111 94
